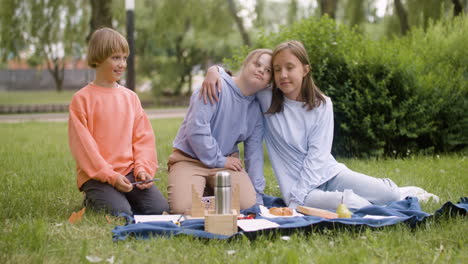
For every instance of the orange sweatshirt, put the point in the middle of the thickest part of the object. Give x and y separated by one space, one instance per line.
109 134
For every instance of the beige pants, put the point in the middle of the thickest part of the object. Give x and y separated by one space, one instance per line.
185 171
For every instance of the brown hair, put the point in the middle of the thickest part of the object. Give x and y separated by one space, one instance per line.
103 43
310 93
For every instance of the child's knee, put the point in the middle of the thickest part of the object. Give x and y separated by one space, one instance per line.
390 194
247 194
179 202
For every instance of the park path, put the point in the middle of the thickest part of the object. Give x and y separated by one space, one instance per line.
63 117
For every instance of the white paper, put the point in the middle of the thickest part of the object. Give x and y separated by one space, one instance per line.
255 224
157 218
265 212
379 216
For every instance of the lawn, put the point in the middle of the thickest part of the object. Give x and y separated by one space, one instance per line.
39 194
49 97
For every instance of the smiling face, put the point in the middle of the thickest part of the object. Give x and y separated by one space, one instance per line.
289 73
112 68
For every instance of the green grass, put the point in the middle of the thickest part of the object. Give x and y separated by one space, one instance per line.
40 97
39 194
49 97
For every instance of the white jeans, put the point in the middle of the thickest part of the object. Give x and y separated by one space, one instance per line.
356 189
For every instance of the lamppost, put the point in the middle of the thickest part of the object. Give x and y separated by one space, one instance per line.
129 7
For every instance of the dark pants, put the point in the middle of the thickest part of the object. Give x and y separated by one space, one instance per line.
103 196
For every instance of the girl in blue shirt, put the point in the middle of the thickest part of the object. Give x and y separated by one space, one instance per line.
208 138
299 135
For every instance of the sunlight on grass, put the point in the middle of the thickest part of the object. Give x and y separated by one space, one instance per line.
39 194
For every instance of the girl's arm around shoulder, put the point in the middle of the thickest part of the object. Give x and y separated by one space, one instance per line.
212 85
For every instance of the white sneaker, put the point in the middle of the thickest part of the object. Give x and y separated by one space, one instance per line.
422 195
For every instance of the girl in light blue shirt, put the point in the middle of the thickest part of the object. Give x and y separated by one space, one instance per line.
299 136
208 139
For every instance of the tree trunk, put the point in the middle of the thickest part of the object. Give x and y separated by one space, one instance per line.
190 83
56 68
402 16
259 10
328 7
292 12
239 22
355 12
457 8
179 50
101 15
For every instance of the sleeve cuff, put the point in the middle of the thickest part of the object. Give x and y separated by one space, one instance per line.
113 178
259 199
221 162
293 205
138 170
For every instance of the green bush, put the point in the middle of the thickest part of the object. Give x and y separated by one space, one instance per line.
390 97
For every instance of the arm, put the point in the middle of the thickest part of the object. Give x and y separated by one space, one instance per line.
144 149
253 159
86 153
199 135
320 141
208 89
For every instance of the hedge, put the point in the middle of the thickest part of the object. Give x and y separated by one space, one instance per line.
391 97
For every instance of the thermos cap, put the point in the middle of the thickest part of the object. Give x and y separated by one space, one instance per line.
223 179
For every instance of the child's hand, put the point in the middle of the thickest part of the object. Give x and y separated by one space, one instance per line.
233 163
208 88
123 184
143 176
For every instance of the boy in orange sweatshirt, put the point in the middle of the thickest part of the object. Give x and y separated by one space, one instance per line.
111 137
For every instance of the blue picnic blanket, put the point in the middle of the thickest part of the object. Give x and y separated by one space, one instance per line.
407 211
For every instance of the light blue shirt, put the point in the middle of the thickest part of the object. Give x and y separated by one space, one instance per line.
299 146
210 132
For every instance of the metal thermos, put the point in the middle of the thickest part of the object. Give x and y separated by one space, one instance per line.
222 192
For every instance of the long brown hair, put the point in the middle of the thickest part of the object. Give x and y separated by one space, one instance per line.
310 93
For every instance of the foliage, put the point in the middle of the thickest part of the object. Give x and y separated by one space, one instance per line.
53 31
390 97
39 194
175 36
11 30
420 14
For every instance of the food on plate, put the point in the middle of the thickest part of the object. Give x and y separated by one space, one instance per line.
281 211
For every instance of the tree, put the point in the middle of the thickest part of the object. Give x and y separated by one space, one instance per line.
457 7
101 15
259 21
47 31
355 13
328 7
174 37
11 36
239 22
292 12
402 16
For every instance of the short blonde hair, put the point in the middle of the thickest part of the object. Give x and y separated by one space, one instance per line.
255 55
103 43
